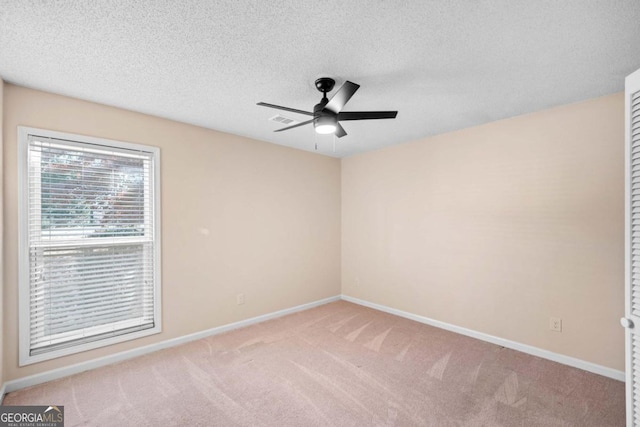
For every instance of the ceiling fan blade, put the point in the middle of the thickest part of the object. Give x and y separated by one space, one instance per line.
340 132
279 107
342 96
367 115
294 126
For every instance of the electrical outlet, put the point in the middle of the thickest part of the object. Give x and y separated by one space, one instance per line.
555 324
240 299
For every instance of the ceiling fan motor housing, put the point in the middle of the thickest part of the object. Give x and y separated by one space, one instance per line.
322 116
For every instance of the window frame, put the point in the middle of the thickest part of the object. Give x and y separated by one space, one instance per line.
24 285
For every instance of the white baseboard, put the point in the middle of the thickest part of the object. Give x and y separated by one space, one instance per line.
55 374
43 377
535 351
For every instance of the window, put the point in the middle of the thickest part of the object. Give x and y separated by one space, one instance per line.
89 243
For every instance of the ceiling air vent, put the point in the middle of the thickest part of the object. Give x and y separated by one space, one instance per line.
283 120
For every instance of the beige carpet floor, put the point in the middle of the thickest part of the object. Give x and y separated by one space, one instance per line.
335 365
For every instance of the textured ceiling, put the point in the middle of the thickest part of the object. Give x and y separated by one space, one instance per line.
444 65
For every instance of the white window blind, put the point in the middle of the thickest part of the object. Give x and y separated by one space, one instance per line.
91 242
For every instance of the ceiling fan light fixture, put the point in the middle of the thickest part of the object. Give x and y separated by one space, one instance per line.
325 129
325 125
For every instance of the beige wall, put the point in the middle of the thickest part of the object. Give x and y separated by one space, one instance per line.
238 216
493 228
1 239
498 227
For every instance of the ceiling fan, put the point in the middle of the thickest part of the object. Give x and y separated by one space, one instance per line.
328 113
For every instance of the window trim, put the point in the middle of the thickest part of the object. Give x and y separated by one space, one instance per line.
24 314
